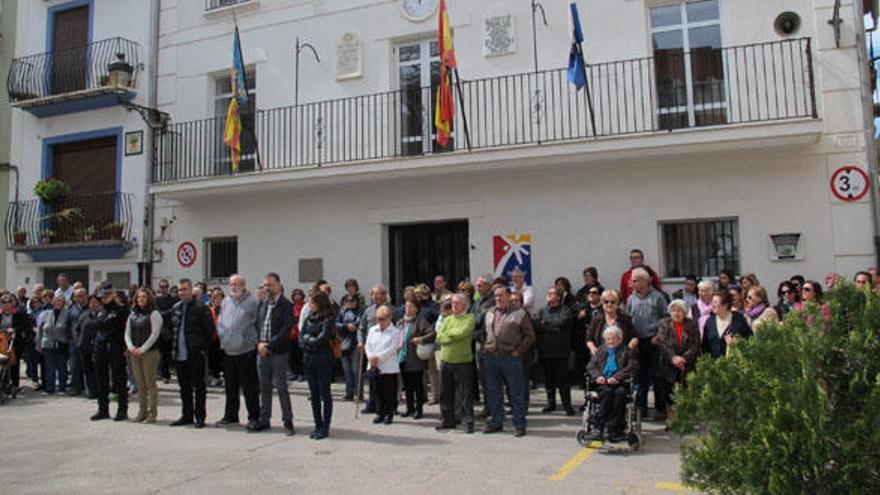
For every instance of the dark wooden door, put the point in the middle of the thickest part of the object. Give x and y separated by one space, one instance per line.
89 168
419 252
70 61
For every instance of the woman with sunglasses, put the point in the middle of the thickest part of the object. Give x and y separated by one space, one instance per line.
611 316
758 309
788 297
811 297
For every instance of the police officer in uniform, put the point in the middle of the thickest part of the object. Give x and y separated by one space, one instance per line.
109 354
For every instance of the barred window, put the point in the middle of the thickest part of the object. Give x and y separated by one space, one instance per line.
221 257
219 4
700 247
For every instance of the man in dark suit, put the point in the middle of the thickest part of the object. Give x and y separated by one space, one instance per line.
192 328
274 321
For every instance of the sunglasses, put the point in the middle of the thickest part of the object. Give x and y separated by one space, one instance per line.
785 292
594 293
609 302
807 289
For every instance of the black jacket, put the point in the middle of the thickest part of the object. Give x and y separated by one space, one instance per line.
22 328
281 321
165 304
713 344
553 331
198 327
314 339
87 328
111 324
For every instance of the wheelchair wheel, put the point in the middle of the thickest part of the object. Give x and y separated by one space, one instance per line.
583 438
634 440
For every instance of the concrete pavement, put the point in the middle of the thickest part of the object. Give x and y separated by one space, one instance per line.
50 446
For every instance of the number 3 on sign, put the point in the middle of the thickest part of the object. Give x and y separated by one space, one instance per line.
849 183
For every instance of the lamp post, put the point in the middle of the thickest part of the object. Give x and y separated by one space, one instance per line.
299 48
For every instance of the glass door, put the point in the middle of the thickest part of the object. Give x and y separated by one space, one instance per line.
418 76
689 64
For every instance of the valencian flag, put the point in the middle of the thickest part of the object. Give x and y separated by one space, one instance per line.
576 70
444 109
232 134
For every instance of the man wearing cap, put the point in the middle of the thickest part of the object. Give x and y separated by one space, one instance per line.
109 355
192 329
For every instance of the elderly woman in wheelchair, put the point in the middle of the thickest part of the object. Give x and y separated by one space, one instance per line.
611 371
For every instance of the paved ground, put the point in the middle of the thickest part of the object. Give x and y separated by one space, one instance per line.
50 446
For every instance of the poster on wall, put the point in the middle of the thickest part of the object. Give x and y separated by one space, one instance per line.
513 251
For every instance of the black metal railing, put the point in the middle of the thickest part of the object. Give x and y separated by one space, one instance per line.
219 4
708 87
79 219
73 69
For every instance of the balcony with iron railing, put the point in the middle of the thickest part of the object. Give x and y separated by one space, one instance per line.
96 75
672 91
99 222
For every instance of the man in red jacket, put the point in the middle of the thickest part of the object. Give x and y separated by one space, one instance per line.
636 259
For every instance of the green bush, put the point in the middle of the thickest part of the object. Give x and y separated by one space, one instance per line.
796 409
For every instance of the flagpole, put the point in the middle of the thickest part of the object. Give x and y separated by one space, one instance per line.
587 88
251 110
467 132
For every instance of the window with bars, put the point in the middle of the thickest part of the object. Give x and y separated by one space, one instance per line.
700 247
221 257
219 4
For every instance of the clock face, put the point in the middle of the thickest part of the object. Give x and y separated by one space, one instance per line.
418 10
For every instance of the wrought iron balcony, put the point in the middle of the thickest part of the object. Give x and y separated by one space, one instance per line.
109 67
97 219
671 91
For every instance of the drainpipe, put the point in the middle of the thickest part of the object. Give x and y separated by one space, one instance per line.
870 128
145 271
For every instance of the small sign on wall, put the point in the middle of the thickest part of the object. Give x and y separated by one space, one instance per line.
187 254
513 251
849 183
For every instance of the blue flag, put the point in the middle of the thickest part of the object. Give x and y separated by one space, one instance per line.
576 67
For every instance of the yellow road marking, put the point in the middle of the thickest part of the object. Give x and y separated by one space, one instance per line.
666 485
575 461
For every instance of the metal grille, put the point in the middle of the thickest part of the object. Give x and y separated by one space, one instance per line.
219 4
222 257
700 247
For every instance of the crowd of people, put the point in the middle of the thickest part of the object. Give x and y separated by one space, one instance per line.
486 342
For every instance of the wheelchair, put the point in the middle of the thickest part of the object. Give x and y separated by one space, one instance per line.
7 359
632 416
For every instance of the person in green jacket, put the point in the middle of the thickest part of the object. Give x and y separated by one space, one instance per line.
457 371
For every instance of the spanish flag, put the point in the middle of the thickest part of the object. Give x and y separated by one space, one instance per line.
232 134
444 109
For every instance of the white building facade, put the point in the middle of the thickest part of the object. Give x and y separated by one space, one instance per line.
80 80
720 128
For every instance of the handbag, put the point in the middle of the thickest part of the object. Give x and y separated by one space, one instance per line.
425 351
336 346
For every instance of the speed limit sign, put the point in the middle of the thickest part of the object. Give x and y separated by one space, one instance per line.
186 254
849 183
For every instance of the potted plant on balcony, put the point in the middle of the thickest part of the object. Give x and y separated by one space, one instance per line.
87 234
19 237
47 236
114 230
52 191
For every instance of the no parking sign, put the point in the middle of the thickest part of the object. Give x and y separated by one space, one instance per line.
849 183
186 254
